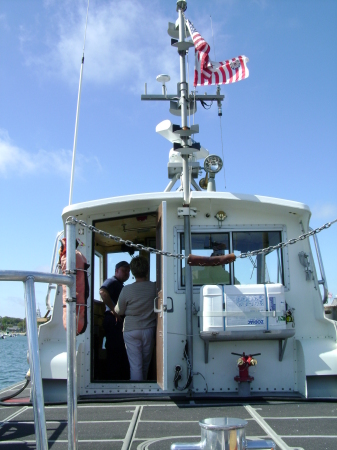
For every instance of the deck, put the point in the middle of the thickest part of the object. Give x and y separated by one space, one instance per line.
155 424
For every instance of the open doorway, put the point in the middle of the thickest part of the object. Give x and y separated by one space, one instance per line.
139 229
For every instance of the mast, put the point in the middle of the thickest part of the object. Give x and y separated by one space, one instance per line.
185 105
181 7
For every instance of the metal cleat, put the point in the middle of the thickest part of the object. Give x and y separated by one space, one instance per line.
224 433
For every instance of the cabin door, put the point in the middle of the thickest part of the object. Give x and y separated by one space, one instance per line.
160 302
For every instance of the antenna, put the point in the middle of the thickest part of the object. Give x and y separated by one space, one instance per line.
163 79
213 37
77 116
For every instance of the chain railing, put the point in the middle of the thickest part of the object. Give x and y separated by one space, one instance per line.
180 256
123 241
289 242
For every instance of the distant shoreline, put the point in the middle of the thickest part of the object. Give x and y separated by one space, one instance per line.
16 334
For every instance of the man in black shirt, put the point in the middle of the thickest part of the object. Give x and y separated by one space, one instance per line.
118 364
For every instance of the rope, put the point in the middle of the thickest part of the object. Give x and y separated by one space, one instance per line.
8 397
194 108
188 77
223 158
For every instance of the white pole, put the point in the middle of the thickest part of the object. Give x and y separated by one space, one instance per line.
35 366
71 338
75 136
77 117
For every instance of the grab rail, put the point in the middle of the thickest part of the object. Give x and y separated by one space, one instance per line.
28 279
52 269
323 281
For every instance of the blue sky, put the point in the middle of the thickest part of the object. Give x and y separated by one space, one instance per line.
279 125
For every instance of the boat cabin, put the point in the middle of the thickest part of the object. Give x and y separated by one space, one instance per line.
269 304
265 307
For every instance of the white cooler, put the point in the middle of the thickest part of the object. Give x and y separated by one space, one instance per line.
250 301
251 298
211 300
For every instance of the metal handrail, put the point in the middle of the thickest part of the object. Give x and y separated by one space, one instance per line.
71 336
52 269
29 278
323 280
40 277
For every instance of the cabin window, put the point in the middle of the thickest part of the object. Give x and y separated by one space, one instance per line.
114 258
260 269
98 274
207 244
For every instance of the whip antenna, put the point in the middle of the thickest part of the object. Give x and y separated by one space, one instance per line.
223 158
77 115
213 37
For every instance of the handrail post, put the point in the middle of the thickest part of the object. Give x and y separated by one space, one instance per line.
35 367
52 269
28 279
71 337
321 268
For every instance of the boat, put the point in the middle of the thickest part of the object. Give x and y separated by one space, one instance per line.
241 326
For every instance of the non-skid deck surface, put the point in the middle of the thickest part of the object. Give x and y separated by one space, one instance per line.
156 424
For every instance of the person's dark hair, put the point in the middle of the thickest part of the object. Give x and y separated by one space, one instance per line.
139 267
122 264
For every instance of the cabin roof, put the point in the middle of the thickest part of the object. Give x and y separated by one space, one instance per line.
151 200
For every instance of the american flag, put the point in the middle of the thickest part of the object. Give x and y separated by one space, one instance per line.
207 72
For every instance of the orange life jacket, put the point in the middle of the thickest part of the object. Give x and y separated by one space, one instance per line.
82 289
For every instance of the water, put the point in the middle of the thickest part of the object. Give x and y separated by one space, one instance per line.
13 360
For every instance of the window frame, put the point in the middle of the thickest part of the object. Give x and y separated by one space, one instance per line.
206 234
99 274
178 229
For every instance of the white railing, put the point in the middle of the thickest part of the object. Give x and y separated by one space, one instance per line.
28 279
52 286
323 280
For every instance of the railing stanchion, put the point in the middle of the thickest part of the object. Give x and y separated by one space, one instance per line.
28 279
71 337
34 364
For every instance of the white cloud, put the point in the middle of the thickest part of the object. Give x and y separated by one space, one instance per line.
42 268
261 3
17 161
125 44
293 22
3 22
12 306
324 211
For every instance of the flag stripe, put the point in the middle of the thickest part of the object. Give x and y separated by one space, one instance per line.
243 67
236 72
230 73
207 72
224 78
